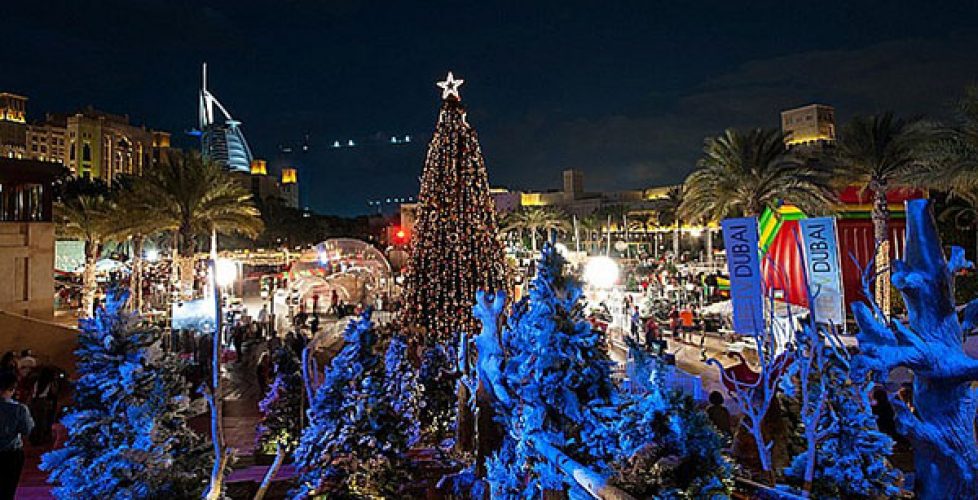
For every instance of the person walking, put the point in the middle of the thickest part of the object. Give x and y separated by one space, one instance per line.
686 320
263 321
15 422
636 323
719 415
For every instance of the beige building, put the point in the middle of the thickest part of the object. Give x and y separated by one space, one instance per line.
808 125
27 237
102 145
13 125
47 141
571 199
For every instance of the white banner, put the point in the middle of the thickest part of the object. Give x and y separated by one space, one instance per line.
823 269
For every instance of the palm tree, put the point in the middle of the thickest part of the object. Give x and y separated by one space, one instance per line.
135 216
591 227
881 152
955 166
534 220
89 218
962 211
668 214
195 198
746 171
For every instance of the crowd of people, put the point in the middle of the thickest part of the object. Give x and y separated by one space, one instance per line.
29 407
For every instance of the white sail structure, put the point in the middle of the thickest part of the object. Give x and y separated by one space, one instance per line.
221 140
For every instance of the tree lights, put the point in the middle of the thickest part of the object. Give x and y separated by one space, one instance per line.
454 250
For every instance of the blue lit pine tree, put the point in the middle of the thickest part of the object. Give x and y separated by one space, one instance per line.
355 443
127 432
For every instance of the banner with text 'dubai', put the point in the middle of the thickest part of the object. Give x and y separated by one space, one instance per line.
744 264
823 269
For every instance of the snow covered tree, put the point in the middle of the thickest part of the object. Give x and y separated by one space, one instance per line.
437 377
942 431
558 379
666 447
567 426
281 409
354 444
127 432
852 456
403 392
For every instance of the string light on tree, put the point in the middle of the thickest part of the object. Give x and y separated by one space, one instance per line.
454 249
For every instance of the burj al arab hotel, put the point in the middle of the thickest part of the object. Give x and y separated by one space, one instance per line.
221 140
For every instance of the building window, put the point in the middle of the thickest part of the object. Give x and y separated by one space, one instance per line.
86 152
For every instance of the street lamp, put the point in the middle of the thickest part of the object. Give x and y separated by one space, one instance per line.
601 272
225 272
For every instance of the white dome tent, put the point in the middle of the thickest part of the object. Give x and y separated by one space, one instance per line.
356 270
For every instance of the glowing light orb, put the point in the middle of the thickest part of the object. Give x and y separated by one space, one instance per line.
601 272
226 271
152 255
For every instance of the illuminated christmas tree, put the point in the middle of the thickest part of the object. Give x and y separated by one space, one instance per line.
454 250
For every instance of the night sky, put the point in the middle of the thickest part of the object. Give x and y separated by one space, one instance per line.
625 91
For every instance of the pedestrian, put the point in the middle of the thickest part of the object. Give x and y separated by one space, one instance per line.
651 332
636 323
315 303
263 320
719 415
883 410
314 324
8 363
44 405
26 363
15 422
686 320
674 325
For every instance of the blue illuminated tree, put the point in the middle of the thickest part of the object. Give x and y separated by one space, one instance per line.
127 432
358 433
666 447
403 392
942 430
567 425
557 380
281 409
852 459
438 376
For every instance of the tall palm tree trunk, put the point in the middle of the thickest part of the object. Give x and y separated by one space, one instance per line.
881 211
881 218
709 245
185 257
136 278
533 239
89 284
675 242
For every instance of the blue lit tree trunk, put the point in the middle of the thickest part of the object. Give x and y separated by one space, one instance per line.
942 431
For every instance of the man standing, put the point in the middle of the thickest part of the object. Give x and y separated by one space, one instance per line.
15 422
263 321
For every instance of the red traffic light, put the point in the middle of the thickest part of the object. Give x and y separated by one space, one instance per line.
399 236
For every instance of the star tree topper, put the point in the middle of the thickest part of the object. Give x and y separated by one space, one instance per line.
449 87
